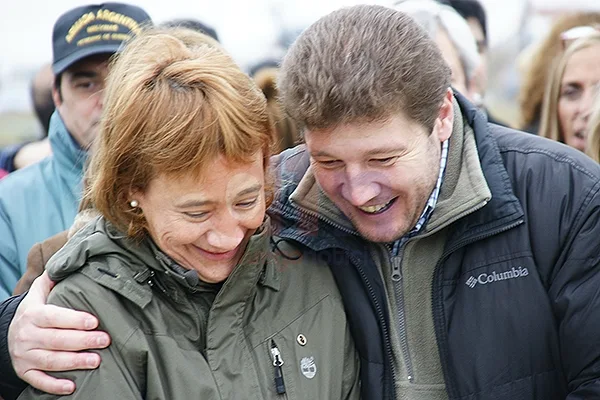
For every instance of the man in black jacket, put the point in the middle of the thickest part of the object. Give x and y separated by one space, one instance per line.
467 254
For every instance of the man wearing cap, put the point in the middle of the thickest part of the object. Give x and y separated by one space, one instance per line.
41 200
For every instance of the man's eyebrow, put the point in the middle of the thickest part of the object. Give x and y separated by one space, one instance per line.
84 74
386 151
372 152
321 154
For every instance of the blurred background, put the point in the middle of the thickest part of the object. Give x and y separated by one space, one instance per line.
252 30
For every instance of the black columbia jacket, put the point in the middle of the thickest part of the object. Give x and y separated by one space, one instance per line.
538 340
535 337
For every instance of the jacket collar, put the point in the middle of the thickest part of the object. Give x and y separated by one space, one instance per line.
504 208
464 188
474 162
66 152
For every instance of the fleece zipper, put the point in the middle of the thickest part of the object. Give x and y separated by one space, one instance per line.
400 310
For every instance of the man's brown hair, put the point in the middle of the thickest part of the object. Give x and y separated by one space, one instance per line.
361 64
174 102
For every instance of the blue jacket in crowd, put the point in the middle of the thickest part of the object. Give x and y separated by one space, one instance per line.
38 202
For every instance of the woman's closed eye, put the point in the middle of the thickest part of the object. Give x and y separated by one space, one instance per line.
247 203
196 215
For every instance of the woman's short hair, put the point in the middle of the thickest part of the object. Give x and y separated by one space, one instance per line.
174 102
549 122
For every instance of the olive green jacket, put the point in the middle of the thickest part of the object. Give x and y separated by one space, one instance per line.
277 301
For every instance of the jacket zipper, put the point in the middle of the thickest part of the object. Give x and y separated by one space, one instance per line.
384 328
277 366
438 303
397 279
399 294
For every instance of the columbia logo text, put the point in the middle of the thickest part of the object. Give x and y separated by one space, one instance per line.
484 279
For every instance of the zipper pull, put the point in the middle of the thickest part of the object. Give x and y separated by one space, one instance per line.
396 270
277 363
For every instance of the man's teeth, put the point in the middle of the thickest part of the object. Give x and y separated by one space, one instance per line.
373 209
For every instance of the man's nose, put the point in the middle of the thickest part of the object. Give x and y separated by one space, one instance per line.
359 186
100 96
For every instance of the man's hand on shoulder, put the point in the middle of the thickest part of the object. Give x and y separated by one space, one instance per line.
44 337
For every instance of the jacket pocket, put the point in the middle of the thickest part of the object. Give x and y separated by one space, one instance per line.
309 357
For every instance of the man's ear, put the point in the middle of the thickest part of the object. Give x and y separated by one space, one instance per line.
56 97
445 121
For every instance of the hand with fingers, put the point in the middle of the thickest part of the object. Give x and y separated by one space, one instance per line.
44 337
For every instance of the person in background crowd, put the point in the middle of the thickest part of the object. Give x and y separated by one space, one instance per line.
286 131
23 154
41 96
192 24
570 92
40 201
3 173
467 266
537 63
454 38
41 252
593 145
181 265
474 13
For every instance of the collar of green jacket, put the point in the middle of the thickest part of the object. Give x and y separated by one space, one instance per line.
463 189
113 260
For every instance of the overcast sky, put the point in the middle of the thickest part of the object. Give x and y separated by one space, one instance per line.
247 28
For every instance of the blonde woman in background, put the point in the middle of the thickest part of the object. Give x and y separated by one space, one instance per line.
570 92
536 69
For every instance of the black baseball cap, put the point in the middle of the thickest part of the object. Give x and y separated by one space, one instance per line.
94 29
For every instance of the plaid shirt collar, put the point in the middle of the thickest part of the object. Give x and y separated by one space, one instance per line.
426 214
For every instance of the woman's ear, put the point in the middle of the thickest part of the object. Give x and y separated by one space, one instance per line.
135 198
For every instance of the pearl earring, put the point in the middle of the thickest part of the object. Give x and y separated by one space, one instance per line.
133 203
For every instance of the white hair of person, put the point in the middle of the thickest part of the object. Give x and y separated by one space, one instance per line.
432 16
